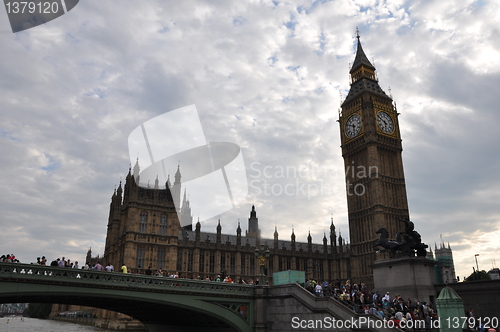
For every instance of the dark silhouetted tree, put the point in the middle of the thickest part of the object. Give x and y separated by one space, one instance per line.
478 275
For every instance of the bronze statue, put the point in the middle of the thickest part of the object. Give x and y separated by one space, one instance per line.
408 243
383 242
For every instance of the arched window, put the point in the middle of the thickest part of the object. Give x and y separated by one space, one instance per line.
202 261
139 260
212 262
162 254
232 263
143 222
190 261
163 224
179 260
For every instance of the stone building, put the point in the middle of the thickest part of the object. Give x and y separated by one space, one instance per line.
144 230
445 268
371 148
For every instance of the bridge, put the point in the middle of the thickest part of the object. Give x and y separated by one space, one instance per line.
160 303
173 304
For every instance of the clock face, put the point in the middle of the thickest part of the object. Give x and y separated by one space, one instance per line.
353 126
385 122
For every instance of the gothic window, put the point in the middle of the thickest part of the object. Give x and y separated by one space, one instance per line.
163 224
212 262
243 265
139 260
232 264
223 263
162 254
202 261
143 222
252 266
190 261
179 260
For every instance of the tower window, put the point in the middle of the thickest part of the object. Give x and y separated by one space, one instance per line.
163 224
179 260
232 264
190 261
162 253
143 222
243 265
139 262
223 263
202 261
252 266
212 262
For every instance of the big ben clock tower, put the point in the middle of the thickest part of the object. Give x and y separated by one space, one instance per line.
375 183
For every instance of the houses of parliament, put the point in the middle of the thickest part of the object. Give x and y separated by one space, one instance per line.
144 229
144 226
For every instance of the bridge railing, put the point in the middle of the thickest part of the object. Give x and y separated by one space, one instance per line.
50 274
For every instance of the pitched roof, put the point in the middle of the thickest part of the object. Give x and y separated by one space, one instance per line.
361 58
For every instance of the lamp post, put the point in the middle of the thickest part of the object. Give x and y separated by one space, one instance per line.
477 266
262 255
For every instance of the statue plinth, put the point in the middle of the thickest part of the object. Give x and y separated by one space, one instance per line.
410 277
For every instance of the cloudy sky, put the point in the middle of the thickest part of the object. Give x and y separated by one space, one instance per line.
268 76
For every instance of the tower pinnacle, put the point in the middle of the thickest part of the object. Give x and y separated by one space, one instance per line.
253 224
361 59
178 175
137 170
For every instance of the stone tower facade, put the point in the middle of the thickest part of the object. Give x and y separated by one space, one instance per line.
371 148
143 226
253 224
445 268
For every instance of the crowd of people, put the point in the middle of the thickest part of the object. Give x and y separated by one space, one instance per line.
67 263
10 258
403 312
63 262
224 278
